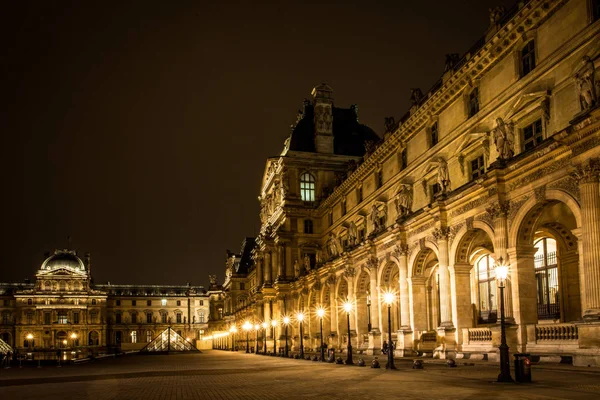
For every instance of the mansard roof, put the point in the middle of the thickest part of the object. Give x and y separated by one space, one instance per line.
349 136
246 262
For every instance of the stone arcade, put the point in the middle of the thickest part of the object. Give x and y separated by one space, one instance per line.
501 158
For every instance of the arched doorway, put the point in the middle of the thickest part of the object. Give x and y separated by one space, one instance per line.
388 282
363 310
546 250
61 339
93 338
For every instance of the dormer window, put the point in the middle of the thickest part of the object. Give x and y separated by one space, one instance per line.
307 187
528 58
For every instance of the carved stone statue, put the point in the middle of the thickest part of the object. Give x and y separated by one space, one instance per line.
586 83
390 122
296 269
306 262
443 176
332 246
404 199
496 14
415 96
352 234
212 279
504 137
375 219
451 61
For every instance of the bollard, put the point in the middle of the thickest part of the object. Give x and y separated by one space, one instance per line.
361 362
451 363
375 363
417 364
339 360
522 368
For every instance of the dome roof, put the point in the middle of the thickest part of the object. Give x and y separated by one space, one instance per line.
63 259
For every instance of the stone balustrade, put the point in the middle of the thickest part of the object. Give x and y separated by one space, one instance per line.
480 335
556 332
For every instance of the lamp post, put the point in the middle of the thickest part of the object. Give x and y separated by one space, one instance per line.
73 338
247 326
388 299
286 322
256 328
29 341
501 274
273 325
368 311
321 314
348 308
300 317
264 326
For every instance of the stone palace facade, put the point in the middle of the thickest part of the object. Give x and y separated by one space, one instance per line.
63 310
498 163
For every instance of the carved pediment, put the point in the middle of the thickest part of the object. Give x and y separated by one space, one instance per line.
61 272
528 102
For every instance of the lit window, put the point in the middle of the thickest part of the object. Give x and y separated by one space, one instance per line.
62 317
477 167
528 58
433 135
474 102
546 275
486 289
201 317
133 337
163 302
148 336
532 135
307 187
308 226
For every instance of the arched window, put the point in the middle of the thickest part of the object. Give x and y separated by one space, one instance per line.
528 58
308 226
307 187
546 276
486 289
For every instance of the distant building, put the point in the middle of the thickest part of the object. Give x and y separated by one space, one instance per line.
500 160
63 310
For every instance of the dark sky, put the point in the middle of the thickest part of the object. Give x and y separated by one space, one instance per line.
141 129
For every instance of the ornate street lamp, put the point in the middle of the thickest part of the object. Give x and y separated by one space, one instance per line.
321 314
264 326
73 338
29 341
501 274
286 322
300 318
247 326
274 325
348 308
368 311
256 328
388 299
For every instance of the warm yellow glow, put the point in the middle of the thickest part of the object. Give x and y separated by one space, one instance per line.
321 312
233 329
65 341
187 339
347 306
73 335
256 327
29 336
389 297
300 316
286 320
247 326
501 272
264 325
273 323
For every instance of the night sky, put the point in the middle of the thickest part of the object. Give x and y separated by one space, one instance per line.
141 129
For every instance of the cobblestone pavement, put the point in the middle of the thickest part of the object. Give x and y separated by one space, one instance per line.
227 375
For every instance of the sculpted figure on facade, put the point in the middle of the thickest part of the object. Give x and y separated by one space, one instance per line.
404 199
443 176
332 246
496 14
375 219
389 123
504 137
212 279
306 262
352 234
586 83
296 269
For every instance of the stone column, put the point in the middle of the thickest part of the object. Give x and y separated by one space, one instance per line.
441 235
349 276
259 272
281 262
333 309
375 334
268 269
523 291
462 312
588 175
403 286
499 213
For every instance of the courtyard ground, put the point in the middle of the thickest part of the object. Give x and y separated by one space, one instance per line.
227 375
